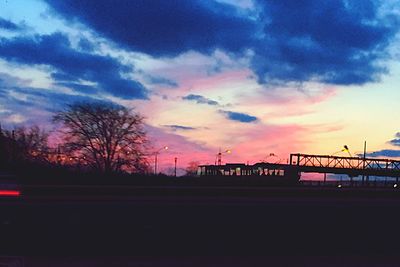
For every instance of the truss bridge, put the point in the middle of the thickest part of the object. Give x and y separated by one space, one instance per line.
352 166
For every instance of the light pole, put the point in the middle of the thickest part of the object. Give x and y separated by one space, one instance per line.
345 149
176 160
219 156
364 155
155 158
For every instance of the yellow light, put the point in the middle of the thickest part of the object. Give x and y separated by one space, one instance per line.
339 186
395 185
228 151
165 147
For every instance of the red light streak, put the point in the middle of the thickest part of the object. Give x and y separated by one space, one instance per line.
10 193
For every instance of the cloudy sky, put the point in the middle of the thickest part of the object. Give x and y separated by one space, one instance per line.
253 76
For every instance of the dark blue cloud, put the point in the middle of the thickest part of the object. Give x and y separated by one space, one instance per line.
396 141
37 98
162 81
337 42
71 65
200 99
82 88
35 104
85 45
163 28
63 77
8 25
237 116
385 153
179 127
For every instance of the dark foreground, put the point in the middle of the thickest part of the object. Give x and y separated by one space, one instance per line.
186 226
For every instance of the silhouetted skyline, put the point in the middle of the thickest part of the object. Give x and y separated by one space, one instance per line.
256 77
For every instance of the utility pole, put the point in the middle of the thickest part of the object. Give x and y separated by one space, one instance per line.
58 155
175 159
365 153
156 158
219 156
155 163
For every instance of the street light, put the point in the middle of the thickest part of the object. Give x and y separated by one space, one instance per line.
219 156
155 159
175 160
345 149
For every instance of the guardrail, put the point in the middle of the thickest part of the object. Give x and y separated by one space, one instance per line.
347 183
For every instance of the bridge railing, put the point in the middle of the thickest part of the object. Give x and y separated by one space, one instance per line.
339 183
355 163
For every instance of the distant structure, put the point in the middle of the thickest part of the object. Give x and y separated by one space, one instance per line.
351 166
303 163
273 172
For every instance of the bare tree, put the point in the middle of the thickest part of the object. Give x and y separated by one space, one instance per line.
28 143
107 137
191 169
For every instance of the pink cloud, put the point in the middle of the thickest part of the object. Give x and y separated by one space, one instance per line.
205 83
289 101
257 144
280 140
179 147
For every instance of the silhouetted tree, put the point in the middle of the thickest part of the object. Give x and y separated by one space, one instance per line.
107 137
191 169
27 143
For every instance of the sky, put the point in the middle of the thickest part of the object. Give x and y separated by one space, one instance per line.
257 77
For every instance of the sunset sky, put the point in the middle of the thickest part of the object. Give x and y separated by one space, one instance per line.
257 77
